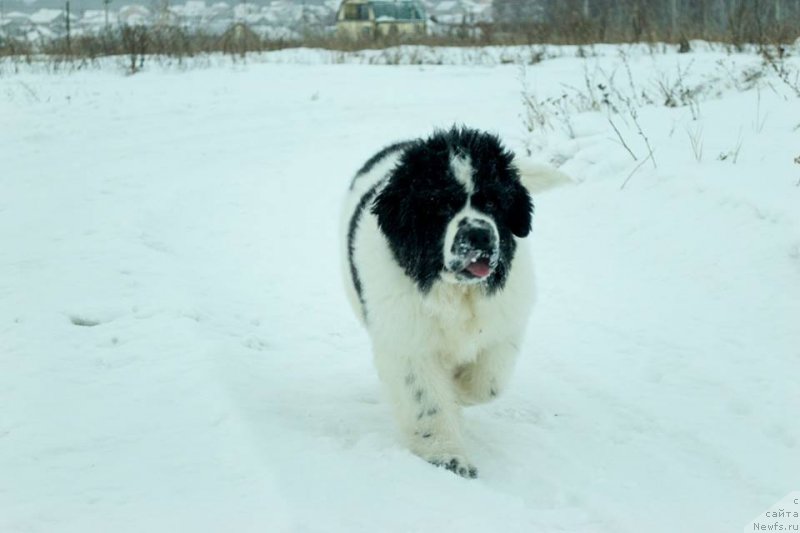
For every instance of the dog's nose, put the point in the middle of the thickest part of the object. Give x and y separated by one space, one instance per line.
478 238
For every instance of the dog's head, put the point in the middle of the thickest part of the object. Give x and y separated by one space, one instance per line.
452 208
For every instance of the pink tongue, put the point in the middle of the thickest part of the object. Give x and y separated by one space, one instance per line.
479 269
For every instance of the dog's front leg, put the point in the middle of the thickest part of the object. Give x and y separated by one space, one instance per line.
484 379
426 407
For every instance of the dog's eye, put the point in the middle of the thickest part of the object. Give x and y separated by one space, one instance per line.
488 204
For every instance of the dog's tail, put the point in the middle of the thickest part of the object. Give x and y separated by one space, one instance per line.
537 177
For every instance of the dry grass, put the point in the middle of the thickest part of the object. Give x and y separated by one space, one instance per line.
566 22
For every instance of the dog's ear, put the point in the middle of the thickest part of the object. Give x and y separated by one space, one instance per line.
520 214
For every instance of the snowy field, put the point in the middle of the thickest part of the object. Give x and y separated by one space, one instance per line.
176 351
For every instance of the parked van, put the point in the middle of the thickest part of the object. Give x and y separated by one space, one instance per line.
365 19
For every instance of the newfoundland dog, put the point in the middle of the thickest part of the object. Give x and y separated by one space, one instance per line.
438 270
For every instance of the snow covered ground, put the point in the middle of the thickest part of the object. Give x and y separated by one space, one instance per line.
176 352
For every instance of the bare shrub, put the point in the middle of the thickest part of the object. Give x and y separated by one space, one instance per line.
134 44
775 57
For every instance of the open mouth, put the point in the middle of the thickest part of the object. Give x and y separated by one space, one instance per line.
479 266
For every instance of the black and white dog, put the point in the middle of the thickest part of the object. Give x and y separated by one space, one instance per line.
437 269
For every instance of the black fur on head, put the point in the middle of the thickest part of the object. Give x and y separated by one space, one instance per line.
422 195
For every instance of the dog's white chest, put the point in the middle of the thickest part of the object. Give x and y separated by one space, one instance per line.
456 324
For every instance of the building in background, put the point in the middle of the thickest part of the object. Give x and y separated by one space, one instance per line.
367 19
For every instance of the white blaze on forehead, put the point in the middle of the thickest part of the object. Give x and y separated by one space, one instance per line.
461 165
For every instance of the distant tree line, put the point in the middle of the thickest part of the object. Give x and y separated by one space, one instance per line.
737 22
734 21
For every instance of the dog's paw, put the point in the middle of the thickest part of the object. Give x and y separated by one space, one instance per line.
473 388
457 465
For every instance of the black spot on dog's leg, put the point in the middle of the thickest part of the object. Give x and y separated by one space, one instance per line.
431 411
493 393
410 379
418 395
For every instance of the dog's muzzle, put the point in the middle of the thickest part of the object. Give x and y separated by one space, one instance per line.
475 252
